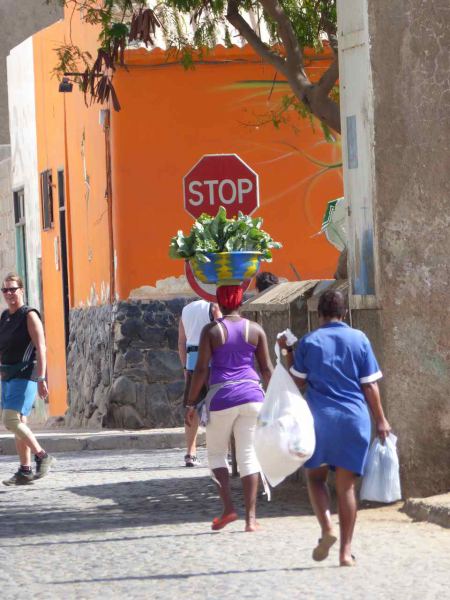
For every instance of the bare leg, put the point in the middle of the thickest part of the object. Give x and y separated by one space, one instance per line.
250 487
223 478
345 488
320 500
24 452
319 497
191 435
24 438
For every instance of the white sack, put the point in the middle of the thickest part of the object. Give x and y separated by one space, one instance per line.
381 481
284 437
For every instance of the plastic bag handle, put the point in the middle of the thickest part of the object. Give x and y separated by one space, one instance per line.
277 352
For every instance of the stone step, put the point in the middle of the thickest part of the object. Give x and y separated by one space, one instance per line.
76 441
434 509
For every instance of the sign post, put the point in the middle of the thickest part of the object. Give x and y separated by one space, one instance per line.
220 180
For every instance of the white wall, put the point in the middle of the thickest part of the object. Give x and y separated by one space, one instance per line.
7 233
22 124
356 95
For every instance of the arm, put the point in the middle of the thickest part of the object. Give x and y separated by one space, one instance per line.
263 358
36 331
182 343
372 395
301 383
200 375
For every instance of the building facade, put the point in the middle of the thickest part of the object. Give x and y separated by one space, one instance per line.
111 186
397 160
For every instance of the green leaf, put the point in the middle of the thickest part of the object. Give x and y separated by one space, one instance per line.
220 234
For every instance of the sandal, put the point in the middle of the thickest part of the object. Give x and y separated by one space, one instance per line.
322 549
221 522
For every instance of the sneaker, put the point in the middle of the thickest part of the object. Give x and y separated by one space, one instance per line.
20 478
191 461
43 465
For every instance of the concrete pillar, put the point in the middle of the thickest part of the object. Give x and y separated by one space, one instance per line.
405 171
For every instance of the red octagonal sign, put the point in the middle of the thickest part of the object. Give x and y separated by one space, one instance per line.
220 180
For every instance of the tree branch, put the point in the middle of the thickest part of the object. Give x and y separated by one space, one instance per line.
323 107
329 78
244 29
294 53
330 29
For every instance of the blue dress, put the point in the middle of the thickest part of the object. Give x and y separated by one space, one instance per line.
335 360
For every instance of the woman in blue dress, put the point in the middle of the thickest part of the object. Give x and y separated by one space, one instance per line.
338 367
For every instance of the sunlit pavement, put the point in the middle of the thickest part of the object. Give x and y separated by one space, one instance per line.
136 524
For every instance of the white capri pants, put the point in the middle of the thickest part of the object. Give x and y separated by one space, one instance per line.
241 420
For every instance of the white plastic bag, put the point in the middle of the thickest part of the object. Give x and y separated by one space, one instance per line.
381 481
284 437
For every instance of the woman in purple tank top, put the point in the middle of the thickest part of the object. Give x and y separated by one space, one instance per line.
227 349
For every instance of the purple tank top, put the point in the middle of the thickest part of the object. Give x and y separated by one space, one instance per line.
231 362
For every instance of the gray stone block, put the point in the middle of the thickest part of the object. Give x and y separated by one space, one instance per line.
176 305
124 416
149 318
163 366
133 357
123 391
155 337
131 328
164 319
172 338
136 374
148 395
175 390
132 311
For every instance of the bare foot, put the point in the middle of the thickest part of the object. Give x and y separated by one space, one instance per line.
347 561
253 525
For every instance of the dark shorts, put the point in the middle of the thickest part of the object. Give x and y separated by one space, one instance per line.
187 386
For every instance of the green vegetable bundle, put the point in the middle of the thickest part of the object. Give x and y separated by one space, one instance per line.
220 234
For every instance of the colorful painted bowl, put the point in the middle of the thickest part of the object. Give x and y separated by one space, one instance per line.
227 268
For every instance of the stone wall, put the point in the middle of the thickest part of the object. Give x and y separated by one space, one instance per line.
89 365
412 162
123 365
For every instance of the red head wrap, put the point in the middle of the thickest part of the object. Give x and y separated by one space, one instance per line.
230 296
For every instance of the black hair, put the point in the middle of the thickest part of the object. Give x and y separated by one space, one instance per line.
332 304
264 280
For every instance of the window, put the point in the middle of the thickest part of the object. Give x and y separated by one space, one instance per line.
47 199
19 207
21 241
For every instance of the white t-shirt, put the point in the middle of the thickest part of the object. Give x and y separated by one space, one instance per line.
195 316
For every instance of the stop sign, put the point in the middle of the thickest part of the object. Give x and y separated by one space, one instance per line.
220 180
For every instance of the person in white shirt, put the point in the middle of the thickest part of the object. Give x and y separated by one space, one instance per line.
194 317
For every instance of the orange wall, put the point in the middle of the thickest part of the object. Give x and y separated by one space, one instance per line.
87 185
50 141
62 120
170 118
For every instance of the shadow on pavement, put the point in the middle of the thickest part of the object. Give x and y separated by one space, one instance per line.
145 503
184 575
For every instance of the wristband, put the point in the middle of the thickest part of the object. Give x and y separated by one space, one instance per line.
41 378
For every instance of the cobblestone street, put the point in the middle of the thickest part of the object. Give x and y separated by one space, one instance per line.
137 525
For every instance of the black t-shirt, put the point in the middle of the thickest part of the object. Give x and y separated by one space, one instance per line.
15 342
